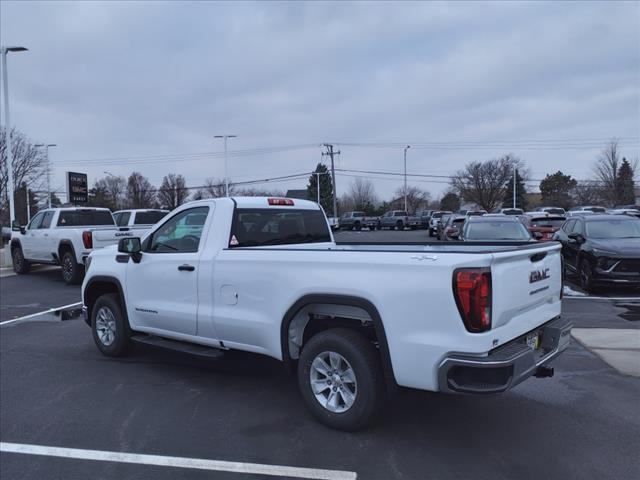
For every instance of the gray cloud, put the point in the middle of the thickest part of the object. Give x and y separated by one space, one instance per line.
128 79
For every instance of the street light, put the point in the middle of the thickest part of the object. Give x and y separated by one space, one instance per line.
7 126
226 163
46 146
405 176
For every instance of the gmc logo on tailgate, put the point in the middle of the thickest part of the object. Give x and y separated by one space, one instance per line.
538 275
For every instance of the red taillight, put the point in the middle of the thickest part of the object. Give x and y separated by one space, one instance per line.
87 239
281 201
472 290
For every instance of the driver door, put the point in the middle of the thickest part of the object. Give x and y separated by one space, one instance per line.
29 240
162 289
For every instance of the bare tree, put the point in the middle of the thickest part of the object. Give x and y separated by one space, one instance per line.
258 192
362 194
606 170
29 166
588 193
484 183
140 192
173 192
213 188
416 198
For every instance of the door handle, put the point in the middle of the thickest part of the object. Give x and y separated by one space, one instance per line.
186 268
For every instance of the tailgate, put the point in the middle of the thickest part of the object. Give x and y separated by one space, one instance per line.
526 288
109 236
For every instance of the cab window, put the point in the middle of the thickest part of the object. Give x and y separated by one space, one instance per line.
36 221
122 218
181 233
46 220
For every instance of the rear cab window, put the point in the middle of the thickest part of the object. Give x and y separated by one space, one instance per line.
261 227
83 218
148 218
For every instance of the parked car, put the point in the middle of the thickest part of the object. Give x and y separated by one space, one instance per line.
553 210
65 237
357 221
500 228
451 231
588 208
435 218
144 217
394 220
625 211
602 250
419 220
441 224
628 207
334 223
283 288
510 211
543 227
475 213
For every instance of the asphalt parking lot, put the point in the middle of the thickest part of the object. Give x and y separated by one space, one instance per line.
57 390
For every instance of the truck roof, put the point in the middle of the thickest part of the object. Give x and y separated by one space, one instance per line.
263 202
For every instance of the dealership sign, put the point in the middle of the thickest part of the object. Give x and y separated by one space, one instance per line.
77 187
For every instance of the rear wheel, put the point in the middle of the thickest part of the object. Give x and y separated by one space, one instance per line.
340 378
110 328
358 226
399 225
586 276
20 264
71 270
430 232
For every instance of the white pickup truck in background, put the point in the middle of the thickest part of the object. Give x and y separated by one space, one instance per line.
138 218
264 275
65 237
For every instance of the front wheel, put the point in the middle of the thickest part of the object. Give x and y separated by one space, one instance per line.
110 328
71 271
586 276
20 264
341 380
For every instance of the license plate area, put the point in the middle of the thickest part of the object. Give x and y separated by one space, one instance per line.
533 340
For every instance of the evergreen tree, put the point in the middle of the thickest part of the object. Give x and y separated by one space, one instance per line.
450 202
625 187
521 200
326 188
556 190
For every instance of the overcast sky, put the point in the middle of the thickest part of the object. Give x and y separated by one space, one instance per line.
158 80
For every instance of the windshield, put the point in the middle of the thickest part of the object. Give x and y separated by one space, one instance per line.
613 229
85 218
596 209
547 222
261 227
496 231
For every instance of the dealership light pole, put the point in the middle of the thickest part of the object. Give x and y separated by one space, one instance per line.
226 163
46 146
405 176
7 126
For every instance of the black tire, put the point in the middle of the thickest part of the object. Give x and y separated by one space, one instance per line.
72 272
586 276
121 343
430 232
20 265
365 362
399 225
358 226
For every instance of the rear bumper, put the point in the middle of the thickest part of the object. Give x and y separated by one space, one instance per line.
506 366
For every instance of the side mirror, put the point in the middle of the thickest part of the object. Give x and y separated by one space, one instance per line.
576 237
16 227
132 247
537 235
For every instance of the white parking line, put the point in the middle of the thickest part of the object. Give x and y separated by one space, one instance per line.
179 462
586 297
51 310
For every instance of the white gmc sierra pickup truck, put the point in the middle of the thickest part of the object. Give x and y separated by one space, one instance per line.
65 237
265 275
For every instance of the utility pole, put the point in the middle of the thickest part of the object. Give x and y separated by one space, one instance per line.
515 172
405 176
226 163
7 126
331 153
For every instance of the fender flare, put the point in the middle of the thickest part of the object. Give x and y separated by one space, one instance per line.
63 244
347 300
113 281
